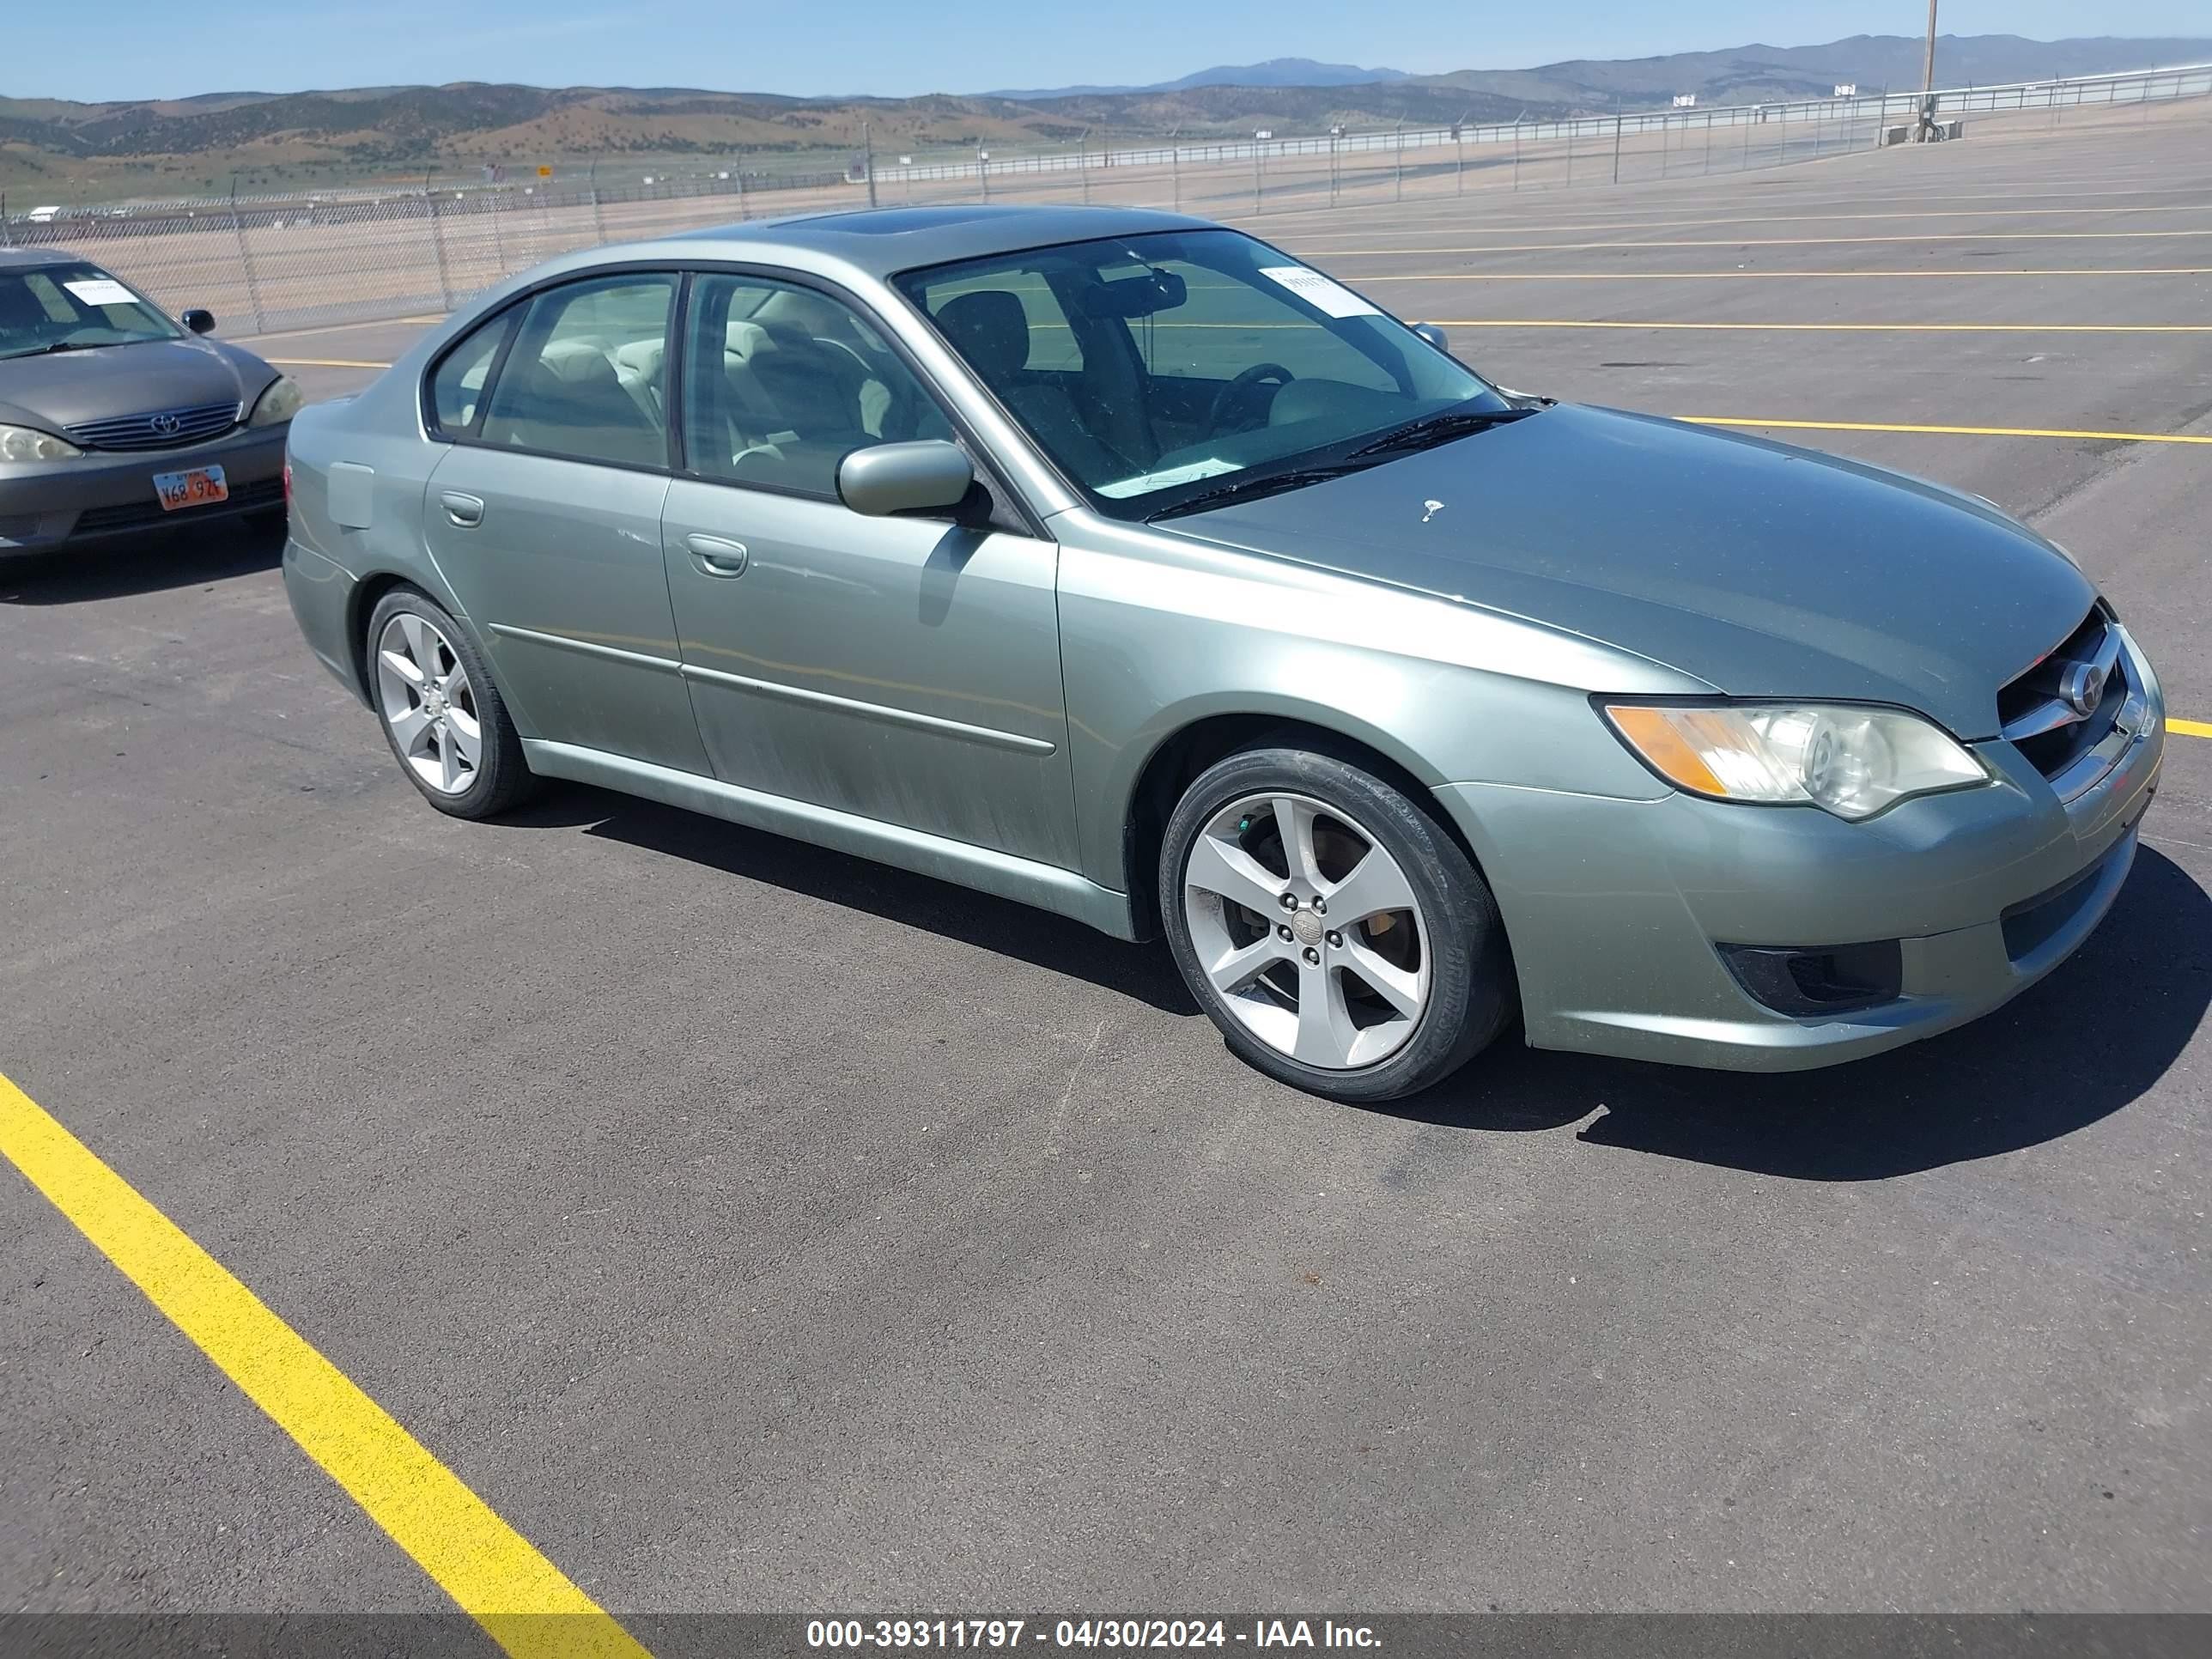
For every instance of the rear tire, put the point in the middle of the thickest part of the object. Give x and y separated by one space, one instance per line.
1351 976
441 712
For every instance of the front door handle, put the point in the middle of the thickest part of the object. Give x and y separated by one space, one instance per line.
467 511
716 557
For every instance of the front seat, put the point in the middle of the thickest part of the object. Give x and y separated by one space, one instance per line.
989 328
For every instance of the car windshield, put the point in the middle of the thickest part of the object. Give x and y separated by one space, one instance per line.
68 307
1153 367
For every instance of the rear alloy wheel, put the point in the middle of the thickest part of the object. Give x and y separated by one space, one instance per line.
441 713
1341 940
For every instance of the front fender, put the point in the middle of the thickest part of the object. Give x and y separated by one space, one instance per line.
1151 644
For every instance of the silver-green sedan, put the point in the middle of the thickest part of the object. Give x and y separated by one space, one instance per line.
1124 565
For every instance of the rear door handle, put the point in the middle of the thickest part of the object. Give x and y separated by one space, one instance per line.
467 511
716 557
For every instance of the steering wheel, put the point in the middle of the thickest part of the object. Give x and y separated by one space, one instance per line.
1240 390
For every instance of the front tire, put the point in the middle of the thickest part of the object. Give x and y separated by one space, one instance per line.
1340 938
441 713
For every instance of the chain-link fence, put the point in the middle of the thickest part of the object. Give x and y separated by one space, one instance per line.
277 262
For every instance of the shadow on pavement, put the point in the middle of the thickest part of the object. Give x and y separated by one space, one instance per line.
150 564
2076 1047
1144 972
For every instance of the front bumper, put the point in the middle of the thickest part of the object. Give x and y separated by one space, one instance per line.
1616 908
103 494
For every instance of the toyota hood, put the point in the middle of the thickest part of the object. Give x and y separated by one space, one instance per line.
1765 570
62 389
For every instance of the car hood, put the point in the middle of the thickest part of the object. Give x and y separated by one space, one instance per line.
1764 571
67 388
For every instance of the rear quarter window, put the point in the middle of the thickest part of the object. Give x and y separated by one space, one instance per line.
457 384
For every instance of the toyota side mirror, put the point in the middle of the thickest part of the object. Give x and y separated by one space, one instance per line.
928 475
1434 335
199 321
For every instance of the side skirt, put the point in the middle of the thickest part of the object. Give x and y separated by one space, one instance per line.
1044 885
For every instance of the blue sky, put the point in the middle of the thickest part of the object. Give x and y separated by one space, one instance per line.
157 48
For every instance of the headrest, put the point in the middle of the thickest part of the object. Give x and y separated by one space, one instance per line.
642 358
989 329
742 338
577 361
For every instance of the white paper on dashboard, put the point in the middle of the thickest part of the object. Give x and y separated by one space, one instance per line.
1317 289
1190 471
101 291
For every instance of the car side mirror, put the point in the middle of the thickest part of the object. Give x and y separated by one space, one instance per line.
929 476
1434 335
199 321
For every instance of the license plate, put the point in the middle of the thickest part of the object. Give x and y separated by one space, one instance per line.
201 486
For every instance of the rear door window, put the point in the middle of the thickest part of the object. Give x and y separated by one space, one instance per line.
588 376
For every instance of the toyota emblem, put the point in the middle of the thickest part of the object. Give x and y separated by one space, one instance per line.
164 424
2082 687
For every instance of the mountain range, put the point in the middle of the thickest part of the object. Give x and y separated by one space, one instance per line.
55 149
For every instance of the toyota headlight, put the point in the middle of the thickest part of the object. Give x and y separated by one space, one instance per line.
27 444
280 403
1854 761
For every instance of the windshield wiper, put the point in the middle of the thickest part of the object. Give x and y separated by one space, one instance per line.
1251 490
1433 429
59 345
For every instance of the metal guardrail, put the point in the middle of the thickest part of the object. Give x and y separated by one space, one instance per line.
287 261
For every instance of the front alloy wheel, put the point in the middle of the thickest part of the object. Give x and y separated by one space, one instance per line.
1340 937
1307 929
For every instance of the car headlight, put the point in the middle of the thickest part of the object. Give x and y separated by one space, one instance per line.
27 443
281 401
1854 761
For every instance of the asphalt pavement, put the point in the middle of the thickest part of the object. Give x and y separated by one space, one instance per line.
755 1228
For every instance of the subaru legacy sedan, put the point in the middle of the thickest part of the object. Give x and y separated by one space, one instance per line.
1123 565
115 420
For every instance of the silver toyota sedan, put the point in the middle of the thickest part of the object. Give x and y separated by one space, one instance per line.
115 420
1124 565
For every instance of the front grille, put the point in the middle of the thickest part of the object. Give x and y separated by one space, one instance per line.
149 515
163 428
2036 716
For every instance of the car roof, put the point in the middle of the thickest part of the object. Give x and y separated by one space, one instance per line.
883 242
30 258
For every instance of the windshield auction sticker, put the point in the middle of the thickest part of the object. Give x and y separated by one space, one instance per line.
103 291
1317 289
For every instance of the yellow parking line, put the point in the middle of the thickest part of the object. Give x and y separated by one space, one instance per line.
1845 328
1679 276
2191 728
1963 431
332 328
322 362
476 1558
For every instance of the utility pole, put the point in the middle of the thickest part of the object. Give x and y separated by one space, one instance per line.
868 161
1928 77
